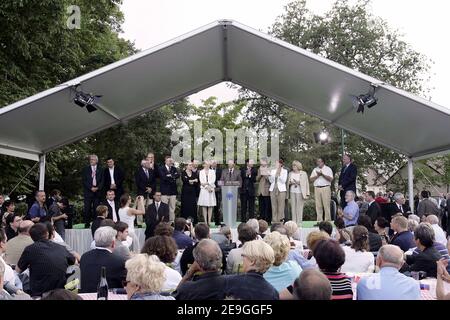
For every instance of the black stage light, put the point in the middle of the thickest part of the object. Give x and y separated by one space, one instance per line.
364 100
86 100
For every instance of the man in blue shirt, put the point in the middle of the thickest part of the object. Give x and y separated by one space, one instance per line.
183 241
351 210
389 283
38 211
402 237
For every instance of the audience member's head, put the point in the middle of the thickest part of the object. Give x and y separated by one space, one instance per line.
381 224
314 237
107 223
432 219
329 255
164 247
291 228
60 294
208 255
390 256
102 211
8 206
412 225
399 223
163 229
226 231
280 245
180 224
424 194
257 256
51 229
263 226
254 224
39 232
360 238
25 226
13 220
144 274
424 236
122 230
365 221
399 198
370 196
105 237
3 240
275 226
246 234
201 231
312 285
414 217
326 226
339 223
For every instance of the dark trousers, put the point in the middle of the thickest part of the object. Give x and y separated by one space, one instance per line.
342 195
247 205
91 201
216 210
265 208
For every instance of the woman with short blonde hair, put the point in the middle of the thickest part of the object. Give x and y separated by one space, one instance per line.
207 197
145 278
298 190
259 254
283 272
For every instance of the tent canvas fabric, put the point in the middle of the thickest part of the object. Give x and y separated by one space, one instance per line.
224 51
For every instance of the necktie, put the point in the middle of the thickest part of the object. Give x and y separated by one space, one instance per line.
94 179
146 173
230 174
401 208
157 208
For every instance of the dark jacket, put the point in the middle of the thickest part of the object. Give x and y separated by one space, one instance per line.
347 177
250 286
91 264
375 242
96 224
404 240
427 207
168 180
374 211
119 177
86 177
424 261
207 286
142 182
248 182
110 213
394 208
153 218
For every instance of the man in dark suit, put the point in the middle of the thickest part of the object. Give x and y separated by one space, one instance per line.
155 213
113 178
347 178
374 209
145 179
168 176
91 262
399 205
216 210
92 178
231 174
113 205
248 175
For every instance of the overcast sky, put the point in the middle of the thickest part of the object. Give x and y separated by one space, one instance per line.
425 25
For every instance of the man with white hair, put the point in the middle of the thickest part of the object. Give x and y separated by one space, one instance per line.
92 178
389 283
439 234
399 205
92 262
350 213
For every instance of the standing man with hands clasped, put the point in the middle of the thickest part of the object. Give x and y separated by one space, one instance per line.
321 177
92 177
168 176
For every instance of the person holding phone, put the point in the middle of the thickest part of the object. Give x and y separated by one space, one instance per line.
128 214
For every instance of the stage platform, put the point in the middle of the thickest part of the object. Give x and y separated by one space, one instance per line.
80 239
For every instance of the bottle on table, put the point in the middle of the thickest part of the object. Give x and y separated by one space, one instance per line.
102 290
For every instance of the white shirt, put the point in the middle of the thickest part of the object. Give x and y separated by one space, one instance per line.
114 213
357 262
439 234
157 205
173 278
9 275
321 181
111 174
294 187
281 180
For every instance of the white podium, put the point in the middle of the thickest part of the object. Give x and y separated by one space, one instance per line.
229 204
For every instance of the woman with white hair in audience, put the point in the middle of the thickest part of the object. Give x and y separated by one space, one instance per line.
283 272
257 257
358 258
293 234
254 224
145 278
439 234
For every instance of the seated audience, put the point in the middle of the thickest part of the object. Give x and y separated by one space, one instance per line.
326 226
15 247
311 240
164 229
102 213
439 234
46 260
145 278
412 225
203 280
92 262
426 259
358 258
56 238
402 237
223 237
330 257
234 259
257 257
263 227
120 249
182 240
375 241
60 294
201 232
312 285
9 275
390 283
293 234
343 235
12 224
283 272
381 225
254 224
165 249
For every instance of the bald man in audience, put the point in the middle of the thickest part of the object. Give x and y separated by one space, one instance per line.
389 283
312 285
15 246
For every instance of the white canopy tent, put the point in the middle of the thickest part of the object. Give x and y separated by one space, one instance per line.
224 51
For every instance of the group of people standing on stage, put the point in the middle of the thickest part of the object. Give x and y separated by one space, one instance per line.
201 187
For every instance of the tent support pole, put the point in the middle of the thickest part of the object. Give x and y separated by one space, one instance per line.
411 183
41 171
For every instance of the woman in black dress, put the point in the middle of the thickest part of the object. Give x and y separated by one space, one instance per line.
189 193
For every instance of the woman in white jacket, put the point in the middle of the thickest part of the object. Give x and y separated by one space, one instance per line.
207 197
299 191
278 178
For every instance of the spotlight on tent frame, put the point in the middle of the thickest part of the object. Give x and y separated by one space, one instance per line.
86 100
364 100
322 137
